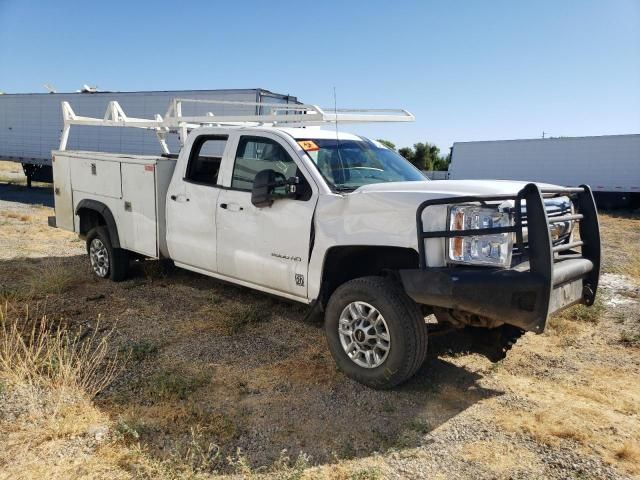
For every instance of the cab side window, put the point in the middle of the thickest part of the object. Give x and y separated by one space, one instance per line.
255 154
204 160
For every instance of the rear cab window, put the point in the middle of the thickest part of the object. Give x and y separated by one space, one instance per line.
206 154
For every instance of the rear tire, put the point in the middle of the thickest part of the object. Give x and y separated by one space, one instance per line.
105 260
373 314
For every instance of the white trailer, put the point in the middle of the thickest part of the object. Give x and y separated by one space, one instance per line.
31 123
610 164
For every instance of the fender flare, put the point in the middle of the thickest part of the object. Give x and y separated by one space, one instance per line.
385 264
103 210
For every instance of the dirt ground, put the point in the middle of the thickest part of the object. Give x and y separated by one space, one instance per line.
221 380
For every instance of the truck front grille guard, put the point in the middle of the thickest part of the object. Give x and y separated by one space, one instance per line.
544 256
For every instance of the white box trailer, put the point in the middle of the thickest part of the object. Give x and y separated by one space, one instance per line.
610 164
31 123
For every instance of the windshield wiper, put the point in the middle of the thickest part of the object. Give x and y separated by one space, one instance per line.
343 188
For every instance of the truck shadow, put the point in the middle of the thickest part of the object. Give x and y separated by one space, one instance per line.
36 195
219 367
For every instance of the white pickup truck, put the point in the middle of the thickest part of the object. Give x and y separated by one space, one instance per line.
338 222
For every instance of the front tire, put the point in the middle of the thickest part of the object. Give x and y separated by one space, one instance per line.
375 332
105 260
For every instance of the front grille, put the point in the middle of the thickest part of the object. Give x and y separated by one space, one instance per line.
556 208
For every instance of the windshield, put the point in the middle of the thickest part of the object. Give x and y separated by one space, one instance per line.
349 164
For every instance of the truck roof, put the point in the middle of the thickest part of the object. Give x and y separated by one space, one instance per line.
317 133
298 133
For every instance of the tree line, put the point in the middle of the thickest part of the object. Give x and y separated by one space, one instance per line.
424 156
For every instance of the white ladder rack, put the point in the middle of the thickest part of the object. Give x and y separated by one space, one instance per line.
287 114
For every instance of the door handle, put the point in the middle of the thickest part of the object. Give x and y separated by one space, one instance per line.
179 198
232 207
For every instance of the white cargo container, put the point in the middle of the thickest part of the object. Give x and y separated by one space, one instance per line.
31 123
610 164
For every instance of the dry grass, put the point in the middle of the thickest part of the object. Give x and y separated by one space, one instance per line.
502 458
629 452
567 326
311 365
228 317
27 234
284 467
37 282
18 216
582 313
593 409
10 167
373 468
12 173
620 239
48 278
174 384
240 317
7 166
630 339
44 356
140 351
177 416
50 378
49 424
42 441
12 179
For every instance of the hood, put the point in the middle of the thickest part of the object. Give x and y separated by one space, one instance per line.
385 213
440 188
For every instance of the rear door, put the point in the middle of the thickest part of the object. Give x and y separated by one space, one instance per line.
192 200
266 246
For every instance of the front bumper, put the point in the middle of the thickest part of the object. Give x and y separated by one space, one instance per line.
519 298
553 277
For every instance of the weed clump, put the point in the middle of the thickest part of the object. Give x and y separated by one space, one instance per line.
239 317
39 354
168 385
630 339
567 321
140 351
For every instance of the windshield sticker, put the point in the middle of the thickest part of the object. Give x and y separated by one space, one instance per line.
308 145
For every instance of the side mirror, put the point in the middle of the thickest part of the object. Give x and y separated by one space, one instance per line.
264 183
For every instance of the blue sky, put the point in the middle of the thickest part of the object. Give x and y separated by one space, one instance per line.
474 70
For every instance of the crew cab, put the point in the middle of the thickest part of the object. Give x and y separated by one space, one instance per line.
343 224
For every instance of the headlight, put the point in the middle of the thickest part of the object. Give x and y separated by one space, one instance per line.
494 249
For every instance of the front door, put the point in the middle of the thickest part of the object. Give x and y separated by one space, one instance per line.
192 202
266 246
